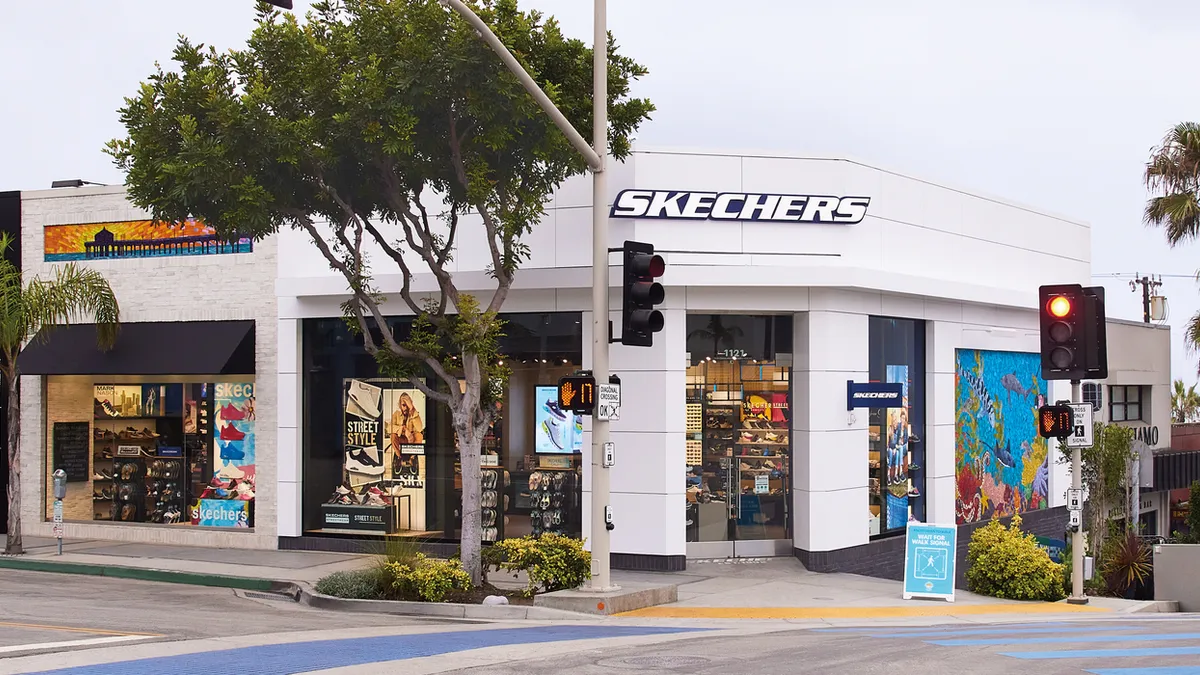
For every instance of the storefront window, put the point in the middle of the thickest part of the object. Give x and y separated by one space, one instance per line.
394 468
896 458
738 428
169 453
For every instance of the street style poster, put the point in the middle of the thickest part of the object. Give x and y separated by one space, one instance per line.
364 462
235 419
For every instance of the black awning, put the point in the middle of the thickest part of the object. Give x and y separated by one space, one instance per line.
156 348
1176 469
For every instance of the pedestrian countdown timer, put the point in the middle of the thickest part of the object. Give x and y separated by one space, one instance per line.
1055 421
577 393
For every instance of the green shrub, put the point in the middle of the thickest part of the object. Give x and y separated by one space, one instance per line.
426 579
1004 562
552 562
366 584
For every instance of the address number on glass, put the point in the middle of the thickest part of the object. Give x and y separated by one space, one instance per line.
733 353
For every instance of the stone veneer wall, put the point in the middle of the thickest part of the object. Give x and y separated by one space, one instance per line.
186 288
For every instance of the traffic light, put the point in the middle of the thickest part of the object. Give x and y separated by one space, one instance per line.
1074 345
639 320
1055 421
577 394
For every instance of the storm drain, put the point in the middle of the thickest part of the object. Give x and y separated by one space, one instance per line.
267 596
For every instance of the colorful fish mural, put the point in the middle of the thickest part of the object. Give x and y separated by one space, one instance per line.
1001 464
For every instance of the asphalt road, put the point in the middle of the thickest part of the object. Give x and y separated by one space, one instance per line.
38 608
1010 648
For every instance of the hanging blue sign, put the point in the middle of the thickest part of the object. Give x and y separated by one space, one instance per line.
874 395
929 561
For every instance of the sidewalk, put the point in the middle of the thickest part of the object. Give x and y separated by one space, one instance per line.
762 588
260 569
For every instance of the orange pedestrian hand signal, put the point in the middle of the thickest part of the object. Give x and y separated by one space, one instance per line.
577 393
1055 421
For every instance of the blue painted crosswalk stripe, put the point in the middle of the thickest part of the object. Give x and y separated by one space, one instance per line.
1151 670
1105 653
950 627
1096 628
1146 637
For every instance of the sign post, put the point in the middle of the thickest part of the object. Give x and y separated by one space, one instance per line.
929 561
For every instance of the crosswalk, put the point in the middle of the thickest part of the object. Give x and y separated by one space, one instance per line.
1140 646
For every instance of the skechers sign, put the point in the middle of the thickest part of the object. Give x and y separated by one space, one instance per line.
874 395
677 205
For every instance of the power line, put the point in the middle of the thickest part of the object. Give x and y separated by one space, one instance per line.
1135 274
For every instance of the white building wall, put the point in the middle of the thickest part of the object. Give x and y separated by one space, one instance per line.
183 288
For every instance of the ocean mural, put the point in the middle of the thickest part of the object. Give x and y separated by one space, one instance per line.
136 239
1002 466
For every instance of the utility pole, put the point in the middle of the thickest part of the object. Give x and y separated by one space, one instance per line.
1148 285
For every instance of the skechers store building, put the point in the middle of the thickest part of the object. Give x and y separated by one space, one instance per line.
846 349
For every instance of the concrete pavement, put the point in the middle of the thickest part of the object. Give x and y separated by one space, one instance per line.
762 588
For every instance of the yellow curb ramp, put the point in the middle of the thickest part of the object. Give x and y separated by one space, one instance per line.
663 612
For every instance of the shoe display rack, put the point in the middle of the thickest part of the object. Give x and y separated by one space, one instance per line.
555 496
494 503
132 481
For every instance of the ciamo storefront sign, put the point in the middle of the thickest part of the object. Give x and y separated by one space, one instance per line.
687 205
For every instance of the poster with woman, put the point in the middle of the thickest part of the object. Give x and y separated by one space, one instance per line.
403 427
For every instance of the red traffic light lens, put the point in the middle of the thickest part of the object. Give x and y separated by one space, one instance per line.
1059 306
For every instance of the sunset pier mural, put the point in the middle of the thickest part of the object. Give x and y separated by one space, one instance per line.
137 239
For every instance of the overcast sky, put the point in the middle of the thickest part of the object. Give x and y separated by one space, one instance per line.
1055 105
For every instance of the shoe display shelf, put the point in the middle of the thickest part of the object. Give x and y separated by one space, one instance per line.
555 497
494 503
138 470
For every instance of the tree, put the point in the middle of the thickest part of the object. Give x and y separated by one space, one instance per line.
1105 469
30 311
383 123
1173 177
1185 403
718 332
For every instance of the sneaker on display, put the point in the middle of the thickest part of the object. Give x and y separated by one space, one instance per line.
231 433
230 412
368 461
366 397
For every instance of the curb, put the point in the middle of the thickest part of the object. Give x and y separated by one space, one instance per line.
446 610
145 574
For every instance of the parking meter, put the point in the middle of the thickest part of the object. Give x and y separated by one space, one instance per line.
60 484
60 493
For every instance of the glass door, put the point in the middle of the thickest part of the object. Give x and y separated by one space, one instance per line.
738 459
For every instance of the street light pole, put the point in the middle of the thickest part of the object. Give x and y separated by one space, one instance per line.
596 157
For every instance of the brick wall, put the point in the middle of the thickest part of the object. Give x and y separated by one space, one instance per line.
884 558
68 400
188 288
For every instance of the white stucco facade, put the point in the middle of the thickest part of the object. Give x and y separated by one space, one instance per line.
967 265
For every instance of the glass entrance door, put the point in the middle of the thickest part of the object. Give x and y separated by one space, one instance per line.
738 459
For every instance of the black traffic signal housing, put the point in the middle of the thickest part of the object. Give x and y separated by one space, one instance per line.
639 319
1055 421
1074 343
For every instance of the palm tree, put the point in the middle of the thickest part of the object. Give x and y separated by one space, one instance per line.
1173 177
1185 403
29 311
718 332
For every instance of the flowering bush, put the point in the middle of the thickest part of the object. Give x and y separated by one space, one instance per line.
426 579
552 562
1005 562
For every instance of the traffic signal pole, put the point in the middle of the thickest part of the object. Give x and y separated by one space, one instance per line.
601 573
1077 596
597 159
